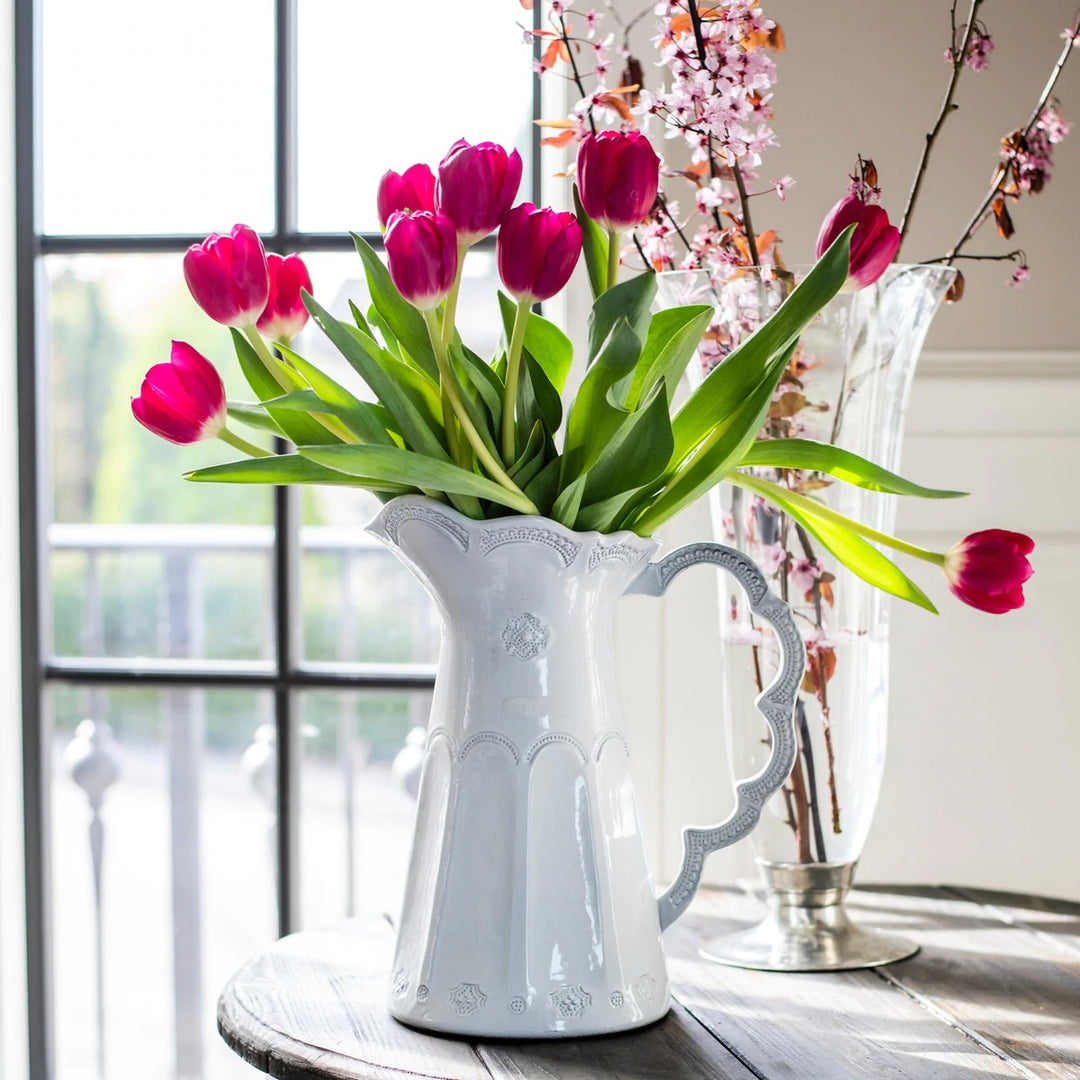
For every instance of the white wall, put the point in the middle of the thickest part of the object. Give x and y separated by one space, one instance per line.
984 745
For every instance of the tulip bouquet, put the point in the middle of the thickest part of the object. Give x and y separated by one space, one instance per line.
428 414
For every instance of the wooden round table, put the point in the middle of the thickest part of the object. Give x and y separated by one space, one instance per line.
994 992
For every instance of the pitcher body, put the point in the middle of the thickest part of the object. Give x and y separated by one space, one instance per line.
529 910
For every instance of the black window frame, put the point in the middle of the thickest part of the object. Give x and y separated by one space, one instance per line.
39 669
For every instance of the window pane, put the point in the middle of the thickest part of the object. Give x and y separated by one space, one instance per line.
142 562
157 118
360 767
372 98
187 874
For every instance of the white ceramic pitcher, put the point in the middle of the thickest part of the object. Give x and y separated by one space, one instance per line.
529 910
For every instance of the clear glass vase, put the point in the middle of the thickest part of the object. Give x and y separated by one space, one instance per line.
848 384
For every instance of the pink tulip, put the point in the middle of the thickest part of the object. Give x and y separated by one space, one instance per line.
227 276
988 569
285 315
537 252
477 185
874 243
184 400
617 175
414 189
423 256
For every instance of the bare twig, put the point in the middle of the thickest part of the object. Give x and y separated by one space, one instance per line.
947 107
573 67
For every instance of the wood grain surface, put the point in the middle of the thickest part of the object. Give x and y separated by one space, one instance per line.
994 993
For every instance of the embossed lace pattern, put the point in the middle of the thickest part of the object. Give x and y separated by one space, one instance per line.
396 516
524 534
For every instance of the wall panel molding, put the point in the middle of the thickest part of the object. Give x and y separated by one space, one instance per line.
999 364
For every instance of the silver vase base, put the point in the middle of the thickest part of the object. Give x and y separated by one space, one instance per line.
807 928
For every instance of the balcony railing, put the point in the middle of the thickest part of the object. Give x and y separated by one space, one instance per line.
351 565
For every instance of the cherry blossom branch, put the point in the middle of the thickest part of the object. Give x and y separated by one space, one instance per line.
947 107
1002 173
744 201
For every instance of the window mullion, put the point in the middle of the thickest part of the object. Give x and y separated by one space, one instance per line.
286 502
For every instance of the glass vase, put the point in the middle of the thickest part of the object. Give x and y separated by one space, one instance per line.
848 384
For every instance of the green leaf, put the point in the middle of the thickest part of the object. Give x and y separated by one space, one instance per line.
379 323
568 503
403 320
857 554
286 469
254 416
360 417
727 385
718 454
383 463
629 300
358 318
593 419
638 452
811 456
483 381
538 401
673 336
544 487
296 426
544 342
386 376
594 245
532 458
477 412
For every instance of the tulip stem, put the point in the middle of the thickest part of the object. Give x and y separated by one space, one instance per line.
241 444
450 388
766 490
450 309
276 368
614 241
272 365
513 369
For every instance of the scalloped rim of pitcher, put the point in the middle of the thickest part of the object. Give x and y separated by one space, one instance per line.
647 544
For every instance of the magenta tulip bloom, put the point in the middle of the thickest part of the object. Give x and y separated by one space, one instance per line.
228 277
874 243
423 255
477 185
414 189
537 251
618 173
184 400
285 315
988 569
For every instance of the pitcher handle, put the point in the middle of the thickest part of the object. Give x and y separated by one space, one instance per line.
776 703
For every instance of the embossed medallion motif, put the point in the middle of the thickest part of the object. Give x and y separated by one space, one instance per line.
422 993
401 983
516 1005
571 1001
617 999
467 998
646 988
525 636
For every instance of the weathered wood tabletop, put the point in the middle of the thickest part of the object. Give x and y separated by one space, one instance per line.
994 992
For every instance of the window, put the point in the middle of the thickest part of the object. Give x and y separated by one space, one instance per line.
216 681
